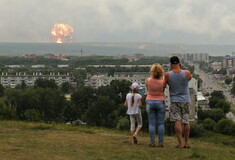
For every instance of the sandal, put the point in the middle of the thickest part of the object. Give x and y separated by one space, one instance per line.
187 146
178 146
152 145
160 145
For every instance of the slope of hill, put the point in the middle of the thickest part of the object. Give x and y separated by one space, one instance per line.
39 141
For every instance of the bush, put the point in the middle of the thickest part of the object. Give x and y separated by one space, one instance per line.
33 115
6 110
214 114
169 127
123 124
209 124
225 126
225 105
101 115
196 130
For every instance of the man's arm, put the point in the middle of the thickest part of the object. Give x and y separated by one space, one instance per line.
188 75
167 77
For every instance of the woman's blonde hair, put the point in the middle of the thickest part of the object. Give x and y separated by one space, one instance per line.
157 71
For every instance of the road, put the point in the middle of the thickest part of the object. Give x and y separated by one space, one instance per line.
210 84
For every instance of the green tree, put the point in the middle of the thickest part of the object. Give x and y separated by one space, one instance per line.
228 80
120 88
102 113
225 126
80 76
223 104
6 110
33 115
66 87
81 100
45 83
21 86
215 114
218 94
1 90
209 124
213 101
199 80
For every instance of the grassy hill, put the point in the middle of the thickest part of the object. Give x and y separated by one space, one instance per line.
39 141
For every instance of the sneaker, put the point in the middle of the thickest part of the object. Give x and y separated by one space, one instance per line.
134 139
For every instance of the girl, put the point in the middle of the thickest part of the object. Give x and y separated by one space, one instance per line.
134 102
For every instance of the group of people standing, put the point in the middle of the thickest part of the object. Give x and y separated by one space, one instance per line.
177 79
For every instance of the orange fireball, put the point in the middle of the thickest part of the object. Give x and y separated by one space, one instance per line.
62 32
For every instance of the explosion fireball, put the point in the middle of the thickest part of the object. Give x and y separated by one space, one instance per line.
62 32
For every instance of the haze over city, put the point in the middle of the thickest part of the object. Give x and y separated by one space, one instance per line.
157 21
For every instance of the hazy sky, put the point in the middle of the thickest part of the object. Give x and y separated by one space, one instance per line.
159 21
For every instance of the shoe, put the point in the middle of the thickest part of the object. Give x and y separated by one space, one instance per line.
187 146
152 145
135 141
178 146
160 145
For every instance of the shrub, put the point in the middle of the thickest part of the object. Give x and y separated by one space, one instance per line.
214 114
6 110
225 126
123 124
225 105
209 124
169 127
33 115
196 130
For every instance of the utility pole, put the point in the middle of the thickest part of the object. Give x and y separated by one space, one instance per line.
81 51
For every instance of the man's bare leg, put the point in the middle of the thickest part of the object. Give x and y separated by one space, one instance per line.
186 134
178 131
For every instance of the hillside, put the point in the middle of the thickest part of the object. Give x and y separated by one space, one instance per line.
38 141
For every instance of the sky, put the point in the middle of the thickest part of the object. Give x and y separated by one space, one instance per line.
157 21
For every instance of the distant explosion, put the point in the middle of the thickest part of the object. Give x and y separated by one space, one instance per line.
62 32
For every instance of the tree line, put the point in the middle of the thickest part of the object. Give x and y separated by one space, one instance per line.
46 102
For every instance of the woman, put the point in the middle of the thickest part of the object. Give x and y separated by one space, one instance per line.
155 104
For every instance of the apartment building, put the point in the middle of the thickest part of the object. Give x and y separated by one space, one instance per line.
53 56
192 57
13 80
104 80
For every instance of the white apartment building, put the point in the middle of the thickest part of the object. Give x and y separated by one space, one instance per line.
104 80
14 80
192 57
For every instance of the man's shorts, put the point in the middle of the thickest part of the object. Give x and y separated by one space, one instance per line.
179 111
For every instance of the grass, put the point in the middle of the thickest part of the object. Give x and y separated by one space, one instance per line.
39 141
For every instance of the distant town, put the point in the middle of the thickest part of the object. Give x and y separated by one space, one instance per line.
210 75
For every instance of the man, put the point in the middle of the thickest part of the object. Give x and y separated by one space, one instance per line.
178 79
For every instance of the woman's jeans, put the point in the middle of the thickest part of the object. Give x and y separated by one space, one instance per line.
156 114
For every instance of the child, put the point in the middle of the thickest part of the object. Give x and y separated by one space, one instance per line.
134 102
